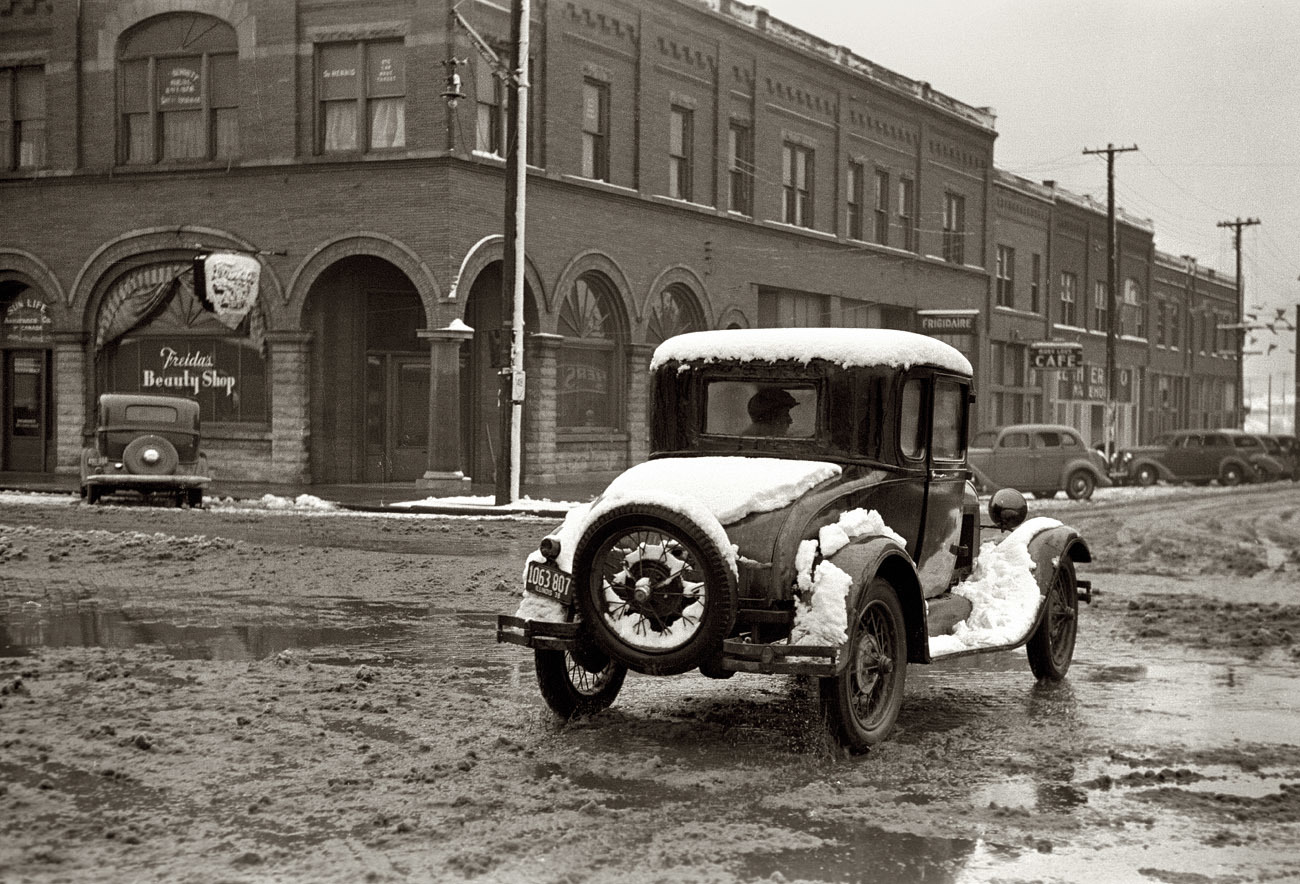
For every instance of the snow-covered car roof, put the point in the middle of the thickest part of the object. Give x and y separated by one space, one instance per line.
849 347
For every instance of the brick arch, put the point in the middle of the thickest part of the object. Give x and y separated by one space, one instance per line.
588 262
25 264
681 277
732 315
129 14
485 252
89 286
375 245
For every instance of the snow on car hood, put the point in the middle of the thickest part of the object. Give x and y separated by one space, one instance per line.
710 491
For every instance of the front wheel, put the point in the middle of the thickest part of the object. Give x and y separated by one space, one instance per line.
1051 647
862 703
577 684
1146 476
1231 474
1080 485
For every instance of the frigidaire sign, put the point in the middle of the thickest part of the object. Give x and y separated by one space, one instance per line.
946 322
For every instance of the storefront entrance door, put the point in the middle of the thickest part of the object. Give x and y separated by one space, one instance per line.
397 417
26 410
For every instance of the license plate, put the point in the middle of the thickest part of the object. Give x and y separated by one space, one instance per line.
547 580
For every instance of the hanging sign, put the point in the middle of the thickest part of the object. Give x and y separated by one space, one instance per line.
226 284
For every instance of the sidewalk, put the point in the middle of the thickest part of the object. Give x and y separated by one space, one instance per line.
470 499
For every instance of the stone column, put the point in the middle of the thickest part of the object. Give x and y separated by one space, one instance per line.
72 383
541 454
638 402
289 354
444 457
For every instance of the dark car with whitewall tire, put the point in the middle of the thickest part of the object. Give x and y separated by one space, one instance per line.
1196 456
807 509
1038 458
147 445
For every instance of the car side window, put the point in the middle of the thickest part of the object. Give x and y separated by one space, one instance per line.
1192 442
1069 440
911 429
947 441
1049 440
1014 440
1214 440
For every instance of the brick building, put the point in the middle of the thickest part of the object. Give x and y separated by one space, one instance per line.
692 164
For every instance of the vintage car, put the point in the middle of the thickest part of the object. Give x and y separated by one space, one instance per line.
1288 447
146 444
1197 456
1264 453
807 508
1038 458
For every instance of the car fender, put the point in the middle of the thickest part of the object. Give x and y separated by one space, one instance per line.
1047 549
868 557
1102 480
1161 470
1248 470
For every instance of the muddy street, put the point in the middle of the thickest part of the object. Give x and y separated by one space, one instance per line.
233 694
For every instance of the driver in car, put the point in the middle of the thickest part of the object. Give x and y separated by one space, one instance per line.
769 412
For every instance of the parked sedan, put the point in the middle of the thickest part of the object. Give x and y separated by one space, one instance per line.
1042 458
1264 454
1289 452
1197 456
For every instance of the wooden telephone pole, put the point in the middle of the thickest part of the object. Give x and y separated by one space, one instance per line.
1112 278
1240 410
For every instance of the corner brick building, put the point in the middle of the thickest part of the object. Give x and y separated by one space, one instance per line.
693 164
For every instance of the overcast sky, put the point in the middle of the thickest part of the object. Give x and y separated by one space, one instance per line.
1208 90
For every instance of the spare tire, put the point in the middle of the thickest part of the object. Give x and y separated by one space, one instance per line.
150 456
654 589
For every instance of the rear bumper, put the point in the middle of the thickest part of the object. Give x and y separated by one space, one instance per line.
145 483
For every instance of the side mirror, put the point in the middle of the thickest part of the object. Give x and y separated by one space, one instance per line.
1007 509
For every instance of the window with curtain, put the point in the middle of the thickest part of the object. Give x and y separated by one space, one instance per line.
796 185
882 207
853 199
361 89
22 118
178 90
1006 276
1069 298
1101 306
954 228
589 366
906 199
681 135
490 125
595 129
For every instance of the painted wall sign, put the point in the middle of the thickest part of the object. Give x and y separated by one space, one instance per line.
26 321
1048 355
1088 382
946 322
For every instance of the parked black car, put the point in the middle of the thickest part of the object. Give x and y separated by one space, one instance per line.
148 445
1198 456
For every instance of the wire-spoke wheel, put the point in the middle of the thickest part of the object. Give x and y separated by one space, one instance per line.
1051 647
654 589
576 683
862 703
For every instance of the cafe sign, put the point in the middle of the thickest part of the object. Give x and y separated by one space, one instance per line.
26 321
1053 355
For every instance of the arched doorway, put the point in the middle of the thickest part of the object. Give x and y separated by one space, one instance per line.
482 357
26 380
370 374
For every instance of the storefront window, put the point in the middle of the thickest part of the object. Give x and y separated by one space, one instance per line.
590 358
180 349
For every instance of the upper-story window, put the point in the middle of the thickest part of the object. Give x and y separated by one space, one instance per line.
853 199
740 177
489 95
1035 282
1135 309
681 136
1006 276
362 92
954 228
882 207
22 118
1100 306
796 185
906 200
595 129
1069 298
178 90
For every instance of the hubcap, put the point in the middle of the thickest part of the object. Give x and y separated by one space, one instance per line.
151 456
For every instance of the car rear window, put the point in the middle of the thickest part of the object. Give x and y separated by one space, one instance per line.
151 414
746 408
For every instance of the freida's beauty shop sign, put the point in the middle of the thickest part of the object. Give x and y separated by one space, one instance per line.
187 372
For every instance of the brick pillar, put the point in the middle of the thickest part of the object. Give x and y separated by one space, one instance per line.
444 458
289 354
71 382
541 352
638 402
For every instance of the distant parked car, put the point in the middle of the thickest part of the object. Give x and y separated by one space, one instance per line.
1198 456
1041 458
1289 448
1264 454
146 444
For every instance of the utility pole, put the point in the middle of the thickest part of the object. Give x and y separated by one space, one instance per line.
1240 410
1112 277
512 276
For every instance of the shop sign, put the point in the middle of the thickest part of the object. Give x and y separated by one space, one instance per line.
946 322
179 85
1052 355
189 371
26 321
1088 382
226 284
